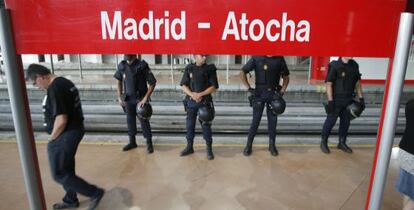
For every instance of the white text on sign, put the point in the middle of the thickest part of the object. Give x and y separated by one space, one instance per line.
242 29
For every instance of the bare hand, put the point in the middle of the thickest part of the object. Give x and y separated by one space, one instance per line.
197 97
142 102
121 102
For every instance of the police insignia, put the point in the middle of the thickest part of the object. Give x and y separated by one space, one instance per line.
265 67
343 74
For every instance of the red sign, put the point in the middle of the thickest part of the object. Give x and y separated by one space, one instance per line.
365 28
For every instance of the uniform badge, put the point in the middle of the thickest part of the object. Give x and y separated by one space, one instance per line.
343 74
265 67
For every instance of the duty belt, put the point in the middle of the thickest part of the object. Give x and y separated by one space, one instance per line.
265 88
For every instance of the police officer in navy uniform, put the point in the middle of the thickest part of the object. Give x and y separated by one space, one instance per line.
199 81
132 90
268 71
342 79
64 122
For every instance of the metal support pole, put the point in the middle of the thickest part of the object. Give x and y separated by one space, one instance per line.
227 69
21 114
390 109
51 63
172 70
1 70
116 61
310 72
80 67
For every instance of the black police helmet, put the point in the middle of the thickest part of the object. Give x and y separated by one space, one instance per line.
354 109
277 105
144 112
206 114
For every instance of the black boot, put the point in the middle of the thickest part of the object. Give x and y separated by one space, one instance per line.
210 154
342 145
272 148
188 149
132 144
64 205
150 148
324 145
248 149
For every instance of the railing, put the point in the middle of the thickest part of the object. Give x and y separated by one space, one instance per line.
79 66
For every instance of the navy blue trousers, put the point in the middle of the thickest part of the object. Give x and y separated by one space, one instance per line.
262 99
192 109
344 119
131 112
61 152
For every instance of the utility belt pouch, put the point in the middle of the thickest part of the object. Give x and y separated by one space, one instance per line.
185 102
124 97
251 99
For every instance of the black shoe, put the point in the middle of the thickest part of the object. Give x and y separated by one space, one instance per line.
150 148
188 150
95 200
65 205
273 150
247 151
129 147
324 145
210 155
342 145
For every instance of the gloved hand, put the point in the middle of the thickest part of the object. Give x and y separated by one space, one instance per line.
330 107
362 103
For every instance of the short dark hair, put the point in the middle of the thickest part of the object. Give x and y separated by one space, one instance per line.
130 56
35 69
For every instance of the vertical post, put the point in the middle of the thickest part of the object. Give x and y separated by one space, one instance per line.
310 70
116 61
227 69
172 70
80 67
21 114
391 103
51 63
1 68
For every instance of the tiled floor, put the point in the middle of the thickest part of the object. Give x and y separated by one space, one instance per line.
299 178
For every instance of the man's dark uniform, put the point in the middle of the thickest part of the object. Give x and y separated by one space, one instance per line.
344 77
198 79
135 78
268 71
